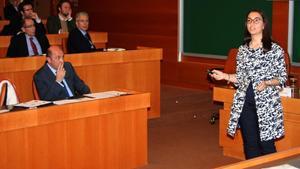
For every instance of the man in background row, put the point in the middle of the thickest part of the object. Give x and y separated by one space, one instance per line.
63 21
11 9
26 10
57 79
28 43
79 40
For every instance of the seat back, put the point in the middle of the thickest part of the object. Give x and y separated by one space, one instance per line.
230 63
56 39
3 94
4 43
287 62
11 94
34 91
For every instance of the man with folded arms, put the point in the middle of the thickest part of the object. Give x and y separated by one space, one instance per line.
27 43
63 21
57 79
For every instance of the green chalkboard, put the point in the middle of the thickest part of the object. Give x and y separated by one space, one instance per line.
214 26
296 36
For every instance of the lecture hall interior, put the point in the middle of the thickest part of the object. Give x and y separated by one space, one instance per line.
152 103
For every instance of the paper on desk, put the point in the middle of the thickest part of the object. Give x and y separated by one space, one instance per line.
286 92
66 101
33 103
4 110
107 94
284 166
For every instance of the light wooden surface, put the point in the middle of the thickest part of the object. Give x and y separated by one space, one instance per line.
106 133
98 38
233 147
133 69
3 22
263 159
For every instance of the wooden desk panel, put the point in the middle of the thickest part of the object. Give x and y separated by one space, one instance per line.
264 160
106 133
233 147
133 69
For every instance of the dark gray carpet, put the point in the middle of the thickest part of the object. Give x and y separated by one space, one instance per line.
183 138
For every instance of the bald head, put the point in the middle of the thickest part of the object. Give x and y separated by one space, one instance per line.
55 56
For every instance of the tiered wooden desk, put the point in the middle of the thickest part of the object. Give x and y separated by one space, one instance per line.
106 133
137 70
233 147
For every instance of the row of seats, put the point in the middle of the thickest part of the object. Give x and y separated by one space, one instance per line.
98 38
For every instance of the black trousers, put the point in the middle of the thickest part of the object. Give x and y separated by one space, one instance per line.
253 146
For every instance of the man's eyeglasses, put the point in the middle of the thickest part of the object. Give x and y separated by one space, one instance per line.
255 20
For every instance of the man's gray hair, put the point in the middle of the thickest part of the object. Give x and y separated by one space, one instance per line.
81 14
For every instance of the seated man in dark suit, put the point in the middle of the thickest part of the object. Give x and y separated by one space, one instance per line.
63 21
79 40
11 9
27 43
26 10
57 79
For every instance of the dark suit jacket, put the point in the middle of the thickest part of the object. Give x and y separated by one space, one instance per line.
18 45
53 24
10 12
78 43
49 89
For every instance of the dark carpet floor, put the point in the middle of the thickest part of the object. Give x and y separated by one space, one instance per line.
183 138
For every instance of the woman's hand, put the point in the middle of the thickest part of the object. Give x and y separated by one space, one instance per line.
218 75
261 86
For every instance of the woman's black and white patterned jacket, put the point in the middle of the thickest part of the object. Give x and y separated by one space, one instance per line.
255 65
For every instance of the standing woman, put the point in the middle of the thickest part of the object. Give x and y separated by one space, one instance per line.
260 73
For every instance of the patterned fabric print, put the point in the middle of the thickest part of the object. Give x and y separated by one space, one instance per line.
253 65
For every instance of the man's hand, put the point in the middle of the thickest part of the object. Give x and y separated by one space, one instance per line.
60 73
69 15
34 15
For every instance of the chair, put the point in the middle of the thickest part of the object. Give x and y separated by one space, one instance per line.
230 67
34 91
11 97
3 94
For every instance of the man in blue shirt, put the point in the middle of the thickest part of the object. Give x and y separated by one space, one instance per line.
27 43
57 79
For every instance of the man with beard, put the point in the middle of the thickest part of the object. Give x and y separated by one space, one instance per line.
63 21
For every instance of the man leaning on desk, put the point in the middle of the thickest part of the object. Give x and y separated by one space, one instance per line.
57 79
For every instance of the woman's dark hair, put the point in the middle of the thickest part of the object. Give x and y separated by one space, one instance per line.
266 39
